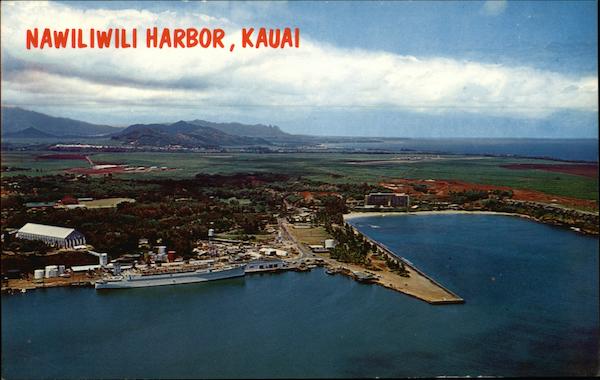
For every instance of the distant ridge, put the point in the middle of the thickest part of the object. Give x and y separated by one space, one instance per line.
239 129
29 133
21 123
15 120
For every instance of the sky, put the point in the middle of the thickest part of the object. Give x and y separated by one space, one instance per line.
401 69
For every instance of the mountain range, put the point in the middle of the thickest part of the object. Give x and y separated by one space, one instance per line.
18 122
21 123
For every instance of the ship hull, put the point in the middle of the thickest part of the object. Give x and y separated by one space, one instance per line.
171 278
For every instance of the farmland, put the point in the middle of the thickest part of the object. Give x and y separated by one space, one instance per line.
332 168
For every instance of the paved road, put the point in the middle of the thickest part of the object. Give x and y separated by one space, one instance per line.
305 252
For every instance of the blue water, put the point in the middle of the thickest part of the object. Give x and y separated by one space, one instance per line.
532 309
562 149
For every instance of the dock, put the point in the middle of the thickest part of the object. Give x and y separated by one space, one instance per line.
20 285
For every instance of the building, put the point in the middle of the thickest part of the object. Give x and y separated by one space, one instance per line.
266 266
40 205
272 252
387 200
51 235
317 248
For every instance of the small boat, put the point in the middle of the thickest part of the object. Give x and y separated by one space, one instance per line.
364 277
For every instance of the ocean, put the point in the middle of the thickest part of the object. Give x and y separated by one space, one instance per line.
531 308
561 149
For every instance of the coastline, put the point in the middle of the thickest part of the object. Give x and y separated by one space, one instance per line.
368 214
355 215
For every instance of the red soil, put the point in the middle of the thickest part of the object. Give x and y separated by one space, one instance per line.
442 188
310 195
586 170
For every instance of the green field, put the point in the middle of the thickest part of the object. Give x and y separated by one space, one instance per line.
327 167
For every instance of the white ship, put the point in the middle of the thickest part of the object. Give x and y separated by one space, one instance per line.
158 276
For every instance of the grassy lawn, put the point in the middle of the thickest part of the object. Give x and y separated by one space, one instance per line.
310 236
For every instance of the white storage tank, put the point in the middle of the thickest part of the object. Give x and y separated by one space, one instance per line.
61 269
329 243
162 250
51 271
38 274
211 232
103 259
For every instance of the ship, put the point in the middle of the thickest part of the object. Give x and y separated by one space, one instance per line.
169 276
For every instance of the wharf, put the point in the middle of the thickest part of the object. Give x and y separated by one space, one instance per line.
20 285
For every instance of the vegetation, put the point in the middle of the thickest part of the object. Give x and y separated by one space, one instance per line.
176 212
396 266
351 248
331 168
467 196
239 194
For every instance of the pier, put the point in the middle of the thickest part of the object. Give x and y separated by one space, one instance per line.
23 285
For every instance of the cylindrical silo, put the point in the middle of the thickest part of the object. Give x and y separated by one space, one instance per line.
38 274
51 271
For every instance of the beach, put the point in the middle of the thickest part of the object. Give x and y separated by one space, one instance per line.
354 215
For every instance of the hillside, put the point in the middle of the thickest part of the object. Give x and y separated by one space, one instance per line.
239 129
184 134
20 122
29 133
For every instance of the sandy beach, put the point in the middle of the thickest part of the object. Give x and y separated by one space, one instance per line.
355 215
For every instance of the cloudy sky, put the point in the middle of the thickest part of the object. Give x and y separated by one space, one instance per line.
407 69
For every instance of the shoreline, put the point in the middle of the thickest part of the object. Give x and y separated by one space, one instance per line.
368 214
355 215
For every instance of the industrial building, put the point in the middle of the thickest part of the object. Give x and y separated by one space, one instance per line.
387 200
56 236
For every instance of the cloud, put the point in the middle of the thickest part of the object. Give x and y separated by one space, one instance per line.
318 75
494 7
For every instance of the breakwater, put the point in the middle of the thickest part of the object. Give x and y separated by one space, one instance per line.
418 284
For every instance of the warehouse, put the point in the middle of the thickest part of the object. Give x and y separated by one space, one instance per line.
56 236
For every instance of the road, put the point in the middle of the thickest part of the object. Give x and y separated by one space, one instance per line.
304 251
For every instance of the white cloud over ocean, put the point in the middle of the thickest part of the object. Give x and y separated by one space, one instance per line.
316 75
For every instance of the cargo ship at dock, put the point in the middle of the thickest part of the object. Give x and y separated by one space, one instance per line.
158 276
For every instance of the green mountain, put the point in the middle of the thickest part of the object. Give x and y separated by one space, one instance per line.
239 129
15 120
184 134
29 133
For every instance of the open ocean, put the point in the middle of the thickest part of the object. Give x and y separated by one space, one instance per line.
531 308
561 149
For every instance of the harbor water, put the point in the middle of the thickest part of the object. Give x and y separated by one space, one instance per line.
531 308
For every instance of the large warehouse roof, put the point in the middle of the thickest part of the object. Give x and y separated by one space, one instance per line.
45 230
